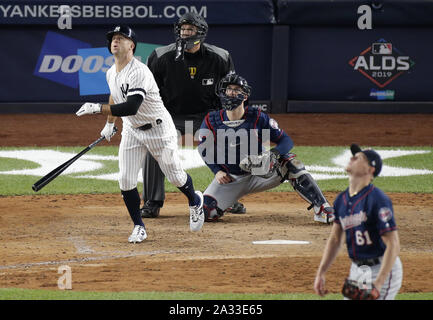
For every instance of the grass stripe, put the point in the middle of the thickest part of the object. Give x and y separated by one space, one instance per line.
30 294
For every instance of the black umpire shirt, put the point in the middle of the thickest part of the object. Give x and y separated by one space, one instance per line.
187 87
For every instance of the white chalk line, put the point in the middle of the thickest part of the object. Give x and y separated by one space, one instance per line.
80 245
88 259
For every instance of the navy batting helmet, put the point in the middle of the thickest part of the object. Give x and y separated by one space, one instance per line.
123 30
230 102
196 20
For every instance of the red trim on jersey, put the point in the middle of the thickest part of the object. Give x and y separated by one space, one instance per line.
363 196
353 244
351 212
389 285
387 230
225 168
206 119
257 120
245 113
221 115
279 137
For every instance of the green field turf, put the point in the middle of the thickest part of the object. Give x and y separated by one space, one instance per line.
311 156
27 294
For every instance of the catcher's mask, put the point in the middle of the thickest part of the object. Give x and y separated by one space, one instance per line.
233 100
196 20
124 31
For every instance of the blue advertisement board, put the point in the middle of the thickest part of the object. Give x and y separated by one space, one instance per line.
48 64
346 64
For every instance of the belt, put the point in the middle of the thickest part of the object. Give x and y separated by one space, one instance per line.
148 126
367 262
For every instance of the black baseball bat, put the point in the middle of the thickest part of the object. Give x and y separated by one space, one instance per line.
57 171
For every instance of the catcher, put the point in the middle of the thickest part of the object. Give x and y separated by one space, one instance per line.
366 216
231 144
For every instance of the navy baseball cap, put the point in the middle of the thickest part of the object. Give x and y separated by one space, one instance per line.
373 157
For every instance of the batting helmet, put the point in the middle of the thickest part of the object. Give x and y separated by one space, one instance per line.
196 20
230 102
123 30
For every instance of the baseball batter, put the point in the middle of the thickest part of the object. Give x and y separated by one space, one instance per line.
238 132
147 127
366 216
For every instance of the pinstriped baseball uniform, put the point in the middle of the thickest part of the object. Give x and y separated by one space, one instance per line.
160 140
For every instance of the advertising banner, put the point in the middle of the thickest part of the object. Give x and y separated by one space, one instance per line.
346 64
48 64
136 12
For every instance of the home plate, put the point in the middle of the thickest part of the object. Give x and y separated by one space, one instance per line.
280 242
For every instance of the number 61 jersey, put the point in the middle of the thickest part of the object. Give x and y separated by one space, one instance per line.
365 217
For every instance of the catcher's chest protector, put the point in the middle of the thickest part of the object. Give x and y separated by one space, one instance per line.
251 120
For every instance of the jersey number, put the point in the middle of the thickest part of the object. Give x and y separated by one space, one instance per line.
362 238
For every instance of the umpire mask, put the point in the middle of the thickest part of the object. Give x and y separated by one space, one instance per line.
237 96
188 43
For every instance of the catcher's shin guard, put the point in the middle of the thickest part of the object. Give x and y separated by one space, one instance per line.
211 211
304 184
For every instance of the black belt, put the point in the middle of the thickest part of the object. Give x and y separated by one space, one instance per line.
367 262
148 126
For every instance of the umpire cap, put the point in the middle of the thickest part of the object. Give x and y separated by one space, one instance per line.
123 30
373 158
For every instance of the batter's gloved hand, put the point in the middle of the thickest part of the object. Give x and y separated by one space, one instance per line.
108 131
89 108
352 291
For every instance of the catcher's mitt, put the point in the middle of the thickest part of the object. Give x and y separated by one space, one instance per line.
263 165
352 291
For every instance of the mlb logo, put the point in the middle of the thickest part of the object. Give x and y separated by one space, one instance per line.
381 48
207 82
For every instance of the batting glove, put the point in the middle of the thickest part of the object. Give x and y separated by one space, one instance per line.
89 108
108 131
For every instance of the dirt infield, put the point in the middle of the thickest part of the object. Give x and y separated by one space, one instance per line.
89 232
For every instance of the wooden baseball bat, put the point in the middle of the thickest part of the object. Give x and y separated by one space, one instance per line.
57 171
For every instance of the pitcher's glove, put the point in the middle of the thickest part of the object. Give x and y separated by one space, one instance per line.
263 165
352 291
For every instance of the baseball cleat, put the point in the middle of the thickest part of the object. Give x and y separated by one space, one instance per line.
196 214
138 234
324 214
237 208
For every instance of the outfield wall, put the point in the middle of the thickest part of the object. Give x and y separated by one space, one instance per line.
299 56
